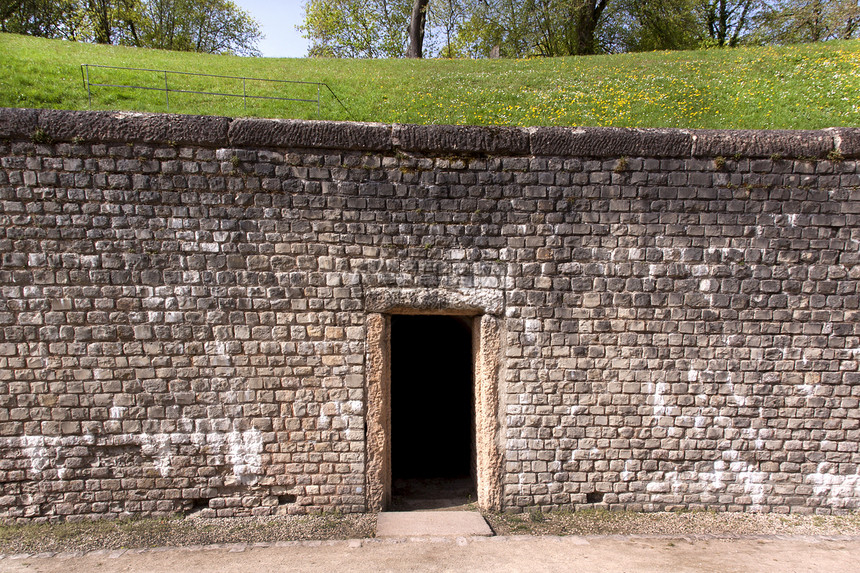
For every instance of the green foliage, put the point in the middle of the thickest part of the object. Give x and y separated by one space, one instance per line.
45 18
808 86
455 28
525 28
356 28
647 25
794 21
537 516
209 26
40 136
726 21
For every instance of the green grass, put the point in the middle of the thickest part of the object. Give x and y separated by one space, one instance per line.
795 87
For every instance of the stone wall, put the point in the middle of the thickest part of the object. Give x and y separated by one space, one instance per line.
184 307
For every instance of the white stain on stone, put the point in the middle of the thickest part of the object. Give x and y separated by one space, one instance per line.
658 404
157 446
627 474
245 455
842 491
242 450
754 483
701 482
738 400
340 414
217 352
35 448
45 452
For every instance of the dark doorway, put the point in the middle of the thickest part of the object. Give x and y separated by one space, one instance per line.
432 412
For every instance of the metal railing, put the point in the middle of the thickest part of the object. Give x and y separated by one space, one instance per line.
165 74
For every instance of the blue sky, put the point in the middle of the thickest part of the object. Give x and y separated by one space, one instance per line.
278 20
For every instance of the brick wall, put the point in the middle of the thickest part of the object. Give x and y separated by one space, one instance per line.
183 308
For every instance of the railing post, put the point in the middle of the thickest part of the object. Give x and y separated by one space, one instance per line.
244 95
89 93
166 91
318 101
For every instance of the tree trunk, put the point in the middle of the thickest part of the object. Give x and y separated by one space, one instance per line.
416 29
587 18
103 25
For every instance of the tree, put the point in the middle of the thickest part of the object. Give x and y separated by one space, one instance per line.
793 21
727 19
585 20
659 25
164 28
448 18
114 21
417 22
212 26
504 24
537 27
43 18
521 28
357 28
220 27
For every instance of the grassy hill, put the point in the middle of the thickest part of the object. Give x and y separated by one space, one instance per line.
795 87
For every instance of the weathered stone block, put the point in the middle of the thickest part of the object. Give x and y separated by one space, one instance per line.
467 140
310 134
753 144
610 142
128 127
20 124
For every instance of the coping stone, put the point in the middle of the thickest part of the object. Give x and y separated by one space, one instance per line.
462 139
127 127
611 142
767 143
846 141
18 123
213 131
292 133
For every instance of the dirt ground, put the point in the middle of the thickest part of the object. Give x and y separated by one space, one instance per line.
561 541
510 554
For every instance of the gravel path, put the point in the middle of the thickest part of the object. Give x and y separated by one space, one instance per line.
180 532
591 522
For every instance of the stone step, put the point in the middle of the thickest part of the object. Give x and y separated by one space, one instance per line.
431 524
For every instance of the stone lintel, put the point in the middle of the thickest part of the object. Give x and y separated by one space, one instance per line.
434 301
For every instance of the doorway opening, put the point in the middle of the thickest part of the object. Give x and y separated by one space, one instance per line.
432 412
